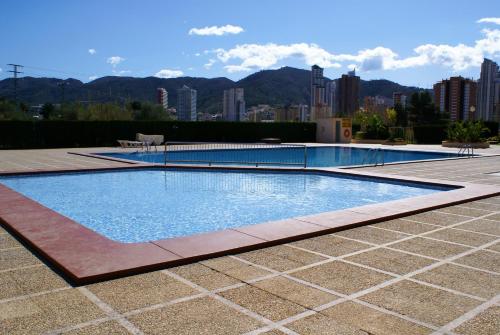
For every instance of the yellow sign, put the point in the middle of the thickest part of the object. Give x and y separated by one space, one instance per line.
346 123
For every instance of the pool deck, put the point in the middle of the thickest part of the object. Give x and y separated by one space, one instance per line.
435 272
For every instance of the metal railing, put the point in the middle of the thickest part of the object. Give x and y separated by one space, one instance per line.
254 154
466 149
374 156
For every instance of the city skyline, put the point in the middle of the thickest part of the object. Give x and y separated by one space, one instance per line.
381 40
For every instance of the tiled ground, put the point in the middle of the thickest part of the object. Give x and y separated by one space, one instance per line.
431 273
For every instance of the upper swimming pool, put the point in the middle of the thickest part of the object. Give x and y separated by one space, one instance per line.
138 205
326 156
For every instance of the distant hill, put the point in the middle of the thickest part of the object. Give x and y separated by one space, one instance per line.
275 87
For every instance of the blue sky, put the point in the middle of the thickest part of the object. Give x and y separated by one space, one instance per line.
413 43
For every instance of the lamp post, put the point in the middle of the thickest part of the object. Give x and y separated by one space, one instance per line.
472 109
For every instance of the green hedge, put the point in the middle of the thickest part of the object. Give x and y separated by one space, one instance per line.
429 134
66 134
492 126
434 134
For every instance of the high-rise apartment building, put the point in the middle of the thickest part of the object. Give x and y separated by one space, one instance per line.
347 88
234 105
331 96
399 98
186 104
323 95
486 95
318 93
456 96
162 97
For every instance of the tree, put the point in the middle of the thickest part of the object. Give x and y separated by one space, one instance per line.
8 111
151 112
422 109
401 115
391 116
48 110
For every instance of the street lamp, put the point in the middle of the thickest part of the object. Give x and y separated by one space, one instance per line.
472 109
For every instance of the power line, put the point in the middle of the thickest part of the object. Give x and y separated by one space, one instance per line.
57 71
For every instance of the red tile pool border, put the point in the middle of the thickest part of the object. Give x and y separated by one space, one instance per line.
85 256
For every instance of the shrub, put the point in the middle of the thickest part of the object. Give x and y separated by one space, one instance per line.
470 132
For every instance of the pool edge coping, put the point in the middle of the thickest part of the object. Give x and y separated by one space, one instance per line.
85 256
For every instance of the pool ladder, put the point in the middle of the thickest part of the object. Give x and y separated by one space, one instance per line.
374 156
466 149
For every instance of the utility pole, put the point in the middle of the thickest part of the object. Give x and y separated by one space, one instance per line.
15 71
62 85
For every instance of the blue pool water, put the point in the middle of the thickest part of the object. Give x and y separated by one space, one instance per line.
151 204
316 156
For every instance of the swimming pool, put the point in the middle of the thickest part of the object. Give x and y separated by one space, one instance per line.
138 205
326 156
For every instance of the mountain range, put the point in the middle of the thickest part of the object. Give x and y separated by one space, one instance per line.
283 86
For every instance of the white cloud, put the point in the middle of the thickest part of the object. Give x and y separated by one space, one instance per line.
92 78
115 60
237 68
208 65
215 30
92 51
197 54
458 57
264 56
166 73
495 20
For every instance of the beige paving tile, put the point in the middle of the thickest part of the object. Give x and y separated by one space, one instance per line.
463 237
273 332
47 312
482 226
35 280
464 280
492 200
406 226
372 321
465 211
431 248
262 302
281 258
200 316
235 268
9 287
319 324
296 292
372 235
134 292
485 323
440 219
105 328
341 277
7 241
482 204
15 258
391 261
495 217
494 247
421 302
486 260
204 276
331 245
